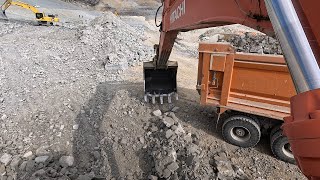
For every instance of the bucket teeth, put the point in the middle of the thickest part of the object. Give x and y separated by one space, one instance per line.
169 99
146 99
161 97
153 99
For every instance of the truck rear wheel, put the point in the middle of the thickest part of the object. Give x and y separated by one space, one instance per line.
281 148
274 130
241 131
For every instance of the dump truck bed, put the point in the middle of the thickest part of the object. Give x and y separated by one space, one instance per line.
251 83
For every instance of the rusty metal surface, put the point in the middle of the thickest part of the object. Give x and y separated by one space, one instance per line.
257 84
185 15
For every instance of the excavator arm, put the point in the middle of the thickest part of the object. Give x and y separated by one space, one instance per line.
296 24
8 3
40 17
185 15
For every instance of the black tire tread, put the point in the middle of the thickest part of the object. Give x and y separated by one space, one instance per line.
275 129
244 120
276 140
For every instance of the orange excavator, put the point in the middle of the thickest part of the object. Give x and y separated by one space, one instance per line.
296 25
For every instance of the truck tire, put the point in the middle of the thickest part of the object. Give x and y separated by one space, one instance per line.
275 129
241 131
281 148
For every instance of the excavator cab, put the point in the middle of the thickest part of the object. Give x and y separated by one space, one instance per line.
39 15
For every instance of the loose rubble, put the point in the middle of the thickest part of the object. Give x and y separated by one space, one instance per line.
177 155
117 44
243 39
252 43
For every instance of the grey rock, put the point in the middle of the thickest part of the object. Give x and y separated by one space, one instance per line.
174 127
188 138
193 149
28 155
30 165
6 159
75 127
64 178
168 121
141 139
152 177
123 141
166 173
15 163
179 129
154 128
2 170
63 170
173 166
4 117
42 151
84 177
41 159
40 172
23 165
157 113
96 155
173 116
189 160
169 133
66 161
175 109
225 168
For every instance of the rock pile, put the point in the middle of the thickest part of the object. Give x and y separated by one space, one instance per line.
250 42
39 165
177 154
115 43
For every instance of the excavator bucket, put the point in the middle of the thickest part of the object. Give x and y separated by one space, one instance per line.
160 83
3 15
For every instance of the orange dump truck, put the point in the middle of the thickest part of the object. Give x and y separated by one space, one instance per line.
251 92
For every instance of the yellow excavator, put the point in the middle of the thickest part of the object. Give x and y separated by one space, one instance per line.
41 17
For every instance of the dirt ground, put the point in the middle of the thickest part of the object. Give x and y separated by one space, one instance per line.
64 117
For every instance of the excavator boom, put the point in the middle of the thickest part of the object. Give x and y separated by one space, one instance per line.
185 15
296 24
